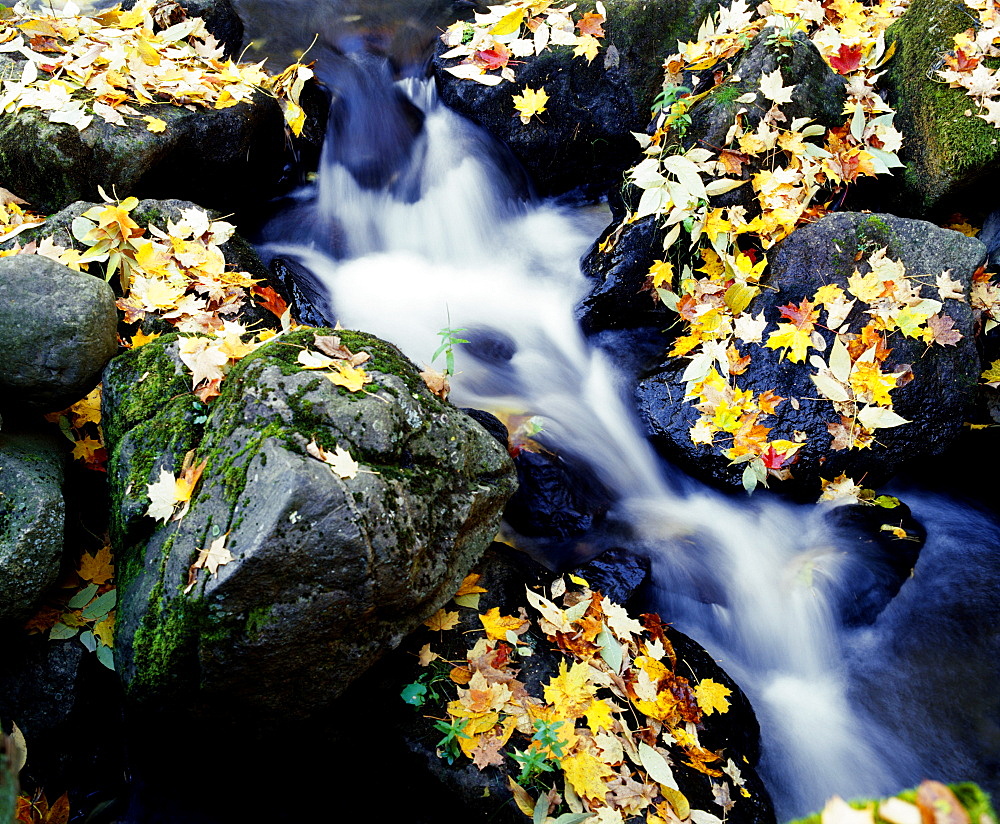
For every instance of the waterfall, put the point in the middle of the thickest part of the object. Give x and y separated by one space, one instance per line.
419 222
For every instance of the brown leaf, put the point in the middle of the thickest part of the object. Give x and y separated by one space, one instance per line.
437 382
487 752
330 345
938 804
942 330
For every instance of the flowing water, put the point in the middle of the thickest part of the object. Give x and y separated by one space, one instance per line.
417 222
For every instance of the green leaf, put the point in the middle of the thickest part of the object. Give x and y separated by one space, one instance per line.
88 640
83 597
541 811
749 478
106 657
60 632
611 650
886 501
102 606
572 818
81 227
414 694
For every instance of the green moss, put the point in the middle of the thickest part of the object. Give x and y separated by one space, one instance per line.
944 148
257 619
873 233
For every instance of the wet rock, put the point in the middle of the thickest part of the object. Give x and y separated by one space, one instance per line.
583 139
619 262
951 155
32 514
554 499
57 331
225 158
328 573
935 401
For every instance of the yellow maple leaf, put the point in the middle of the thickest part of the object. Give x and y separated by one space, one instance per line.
105 630
871 384
587 46
662 274
85 448
830 293
470 585
442 620
865 287
497 626
712 697
599 716
530 103
991 376
571 691
154 124
99 568
141 339
352 378
587 774
789 336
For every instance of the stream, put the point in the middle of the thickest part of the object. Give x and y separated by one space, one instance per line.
418 221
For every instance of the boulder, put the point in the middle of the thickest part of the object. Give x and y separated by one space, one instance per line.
583 139
619 262
935 401
225 158
32 515
950 154
328 571
57 332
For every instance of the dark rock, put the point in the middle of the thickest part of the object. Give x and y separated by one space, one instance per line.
876 561
226 158
554 499
935 401
952 157
32 514
617 574
221 19
485 794
328 574
619 262
583 139
308 298
57 331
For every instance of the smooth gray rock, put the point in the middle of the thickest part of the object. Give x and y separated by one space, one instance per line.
32 521
57 332
327 573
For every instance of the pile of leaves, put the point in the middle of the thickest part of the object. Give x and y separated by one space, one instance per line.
601 740
489 45
76 68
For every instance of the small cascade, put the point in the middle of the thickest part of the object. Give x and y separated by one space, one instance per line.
438 231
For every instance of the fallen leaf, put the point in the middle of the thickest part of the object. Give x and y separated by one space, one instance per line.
531 102
442 620
712 697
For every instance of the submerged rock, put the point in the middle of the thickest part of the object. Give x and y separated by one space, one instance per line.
328 572
57 332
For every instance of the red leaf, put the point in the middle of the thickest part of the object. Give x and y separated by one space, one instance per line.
801 316
272 301
847 59
495 58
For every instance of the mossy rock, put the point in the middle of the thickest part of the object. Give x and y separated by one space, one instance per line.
946 147
583 140
225 158
328 572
